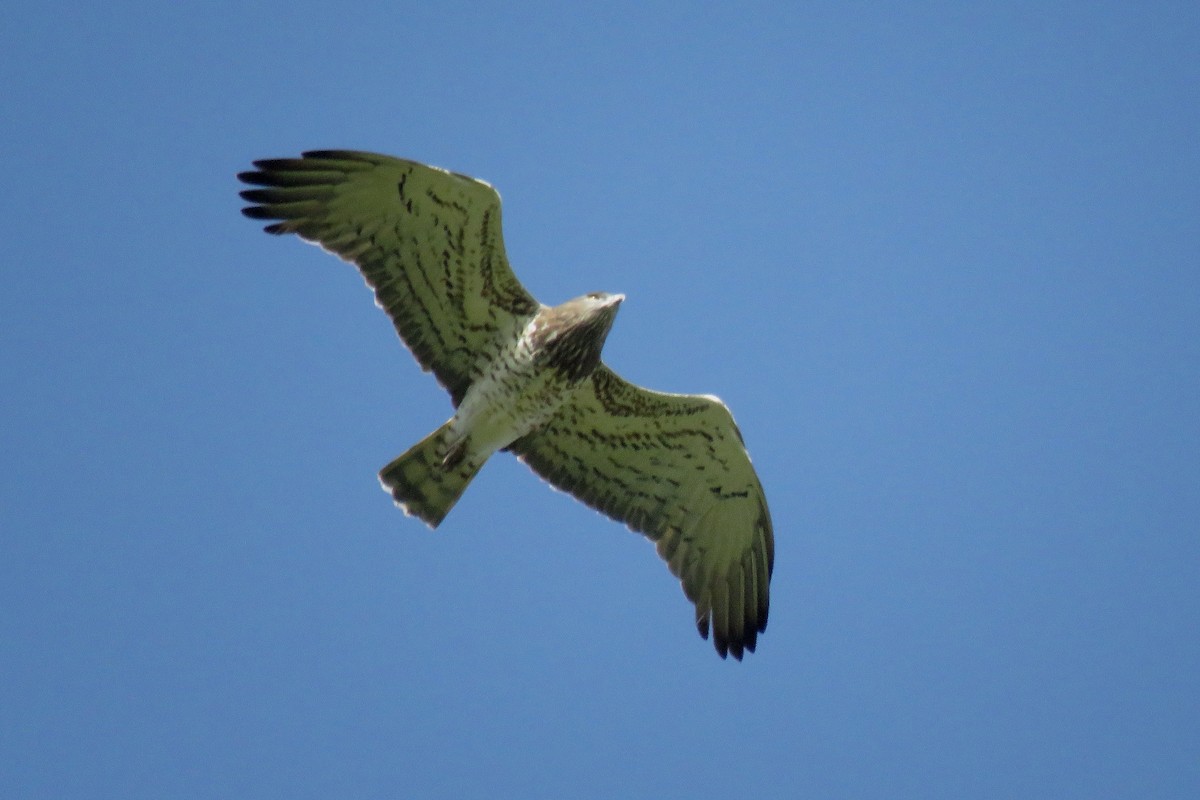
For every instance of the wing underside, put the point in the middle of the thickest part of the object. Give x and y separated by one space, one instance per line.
674 468
427 241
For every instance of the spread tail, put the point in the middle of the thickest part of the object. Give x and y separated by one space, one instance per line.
428 480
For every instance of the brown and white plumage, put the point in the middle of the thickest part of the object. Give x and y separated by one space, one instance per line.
527 378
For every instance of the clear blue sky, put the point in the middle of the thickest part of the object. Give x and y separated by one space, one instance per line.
941 259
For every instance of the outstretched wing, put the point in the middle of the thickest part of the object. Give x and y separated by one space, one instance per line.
427 241
674 468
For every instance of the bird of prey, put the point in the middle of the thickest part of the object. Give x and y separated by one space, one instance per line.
527 378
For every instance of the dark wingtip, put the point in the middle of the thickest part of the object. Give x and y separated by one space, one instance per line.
337 155
268 164
722 645
258 212
751 639
255 195
326 154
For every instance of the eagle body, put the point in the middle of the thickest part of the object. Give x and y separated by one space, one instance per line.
529 378
527 381
518 391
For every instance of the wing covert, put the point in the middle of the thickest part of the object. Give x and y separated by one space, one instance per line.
427 241
674 468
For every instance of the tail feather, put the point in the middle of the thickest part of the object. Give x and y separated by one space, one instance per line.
426 481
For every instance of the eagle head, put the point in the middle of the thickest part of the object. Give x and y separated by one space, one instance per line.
569 337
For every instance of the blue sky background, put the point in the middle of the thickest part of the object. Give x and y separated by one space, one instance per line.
941 259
